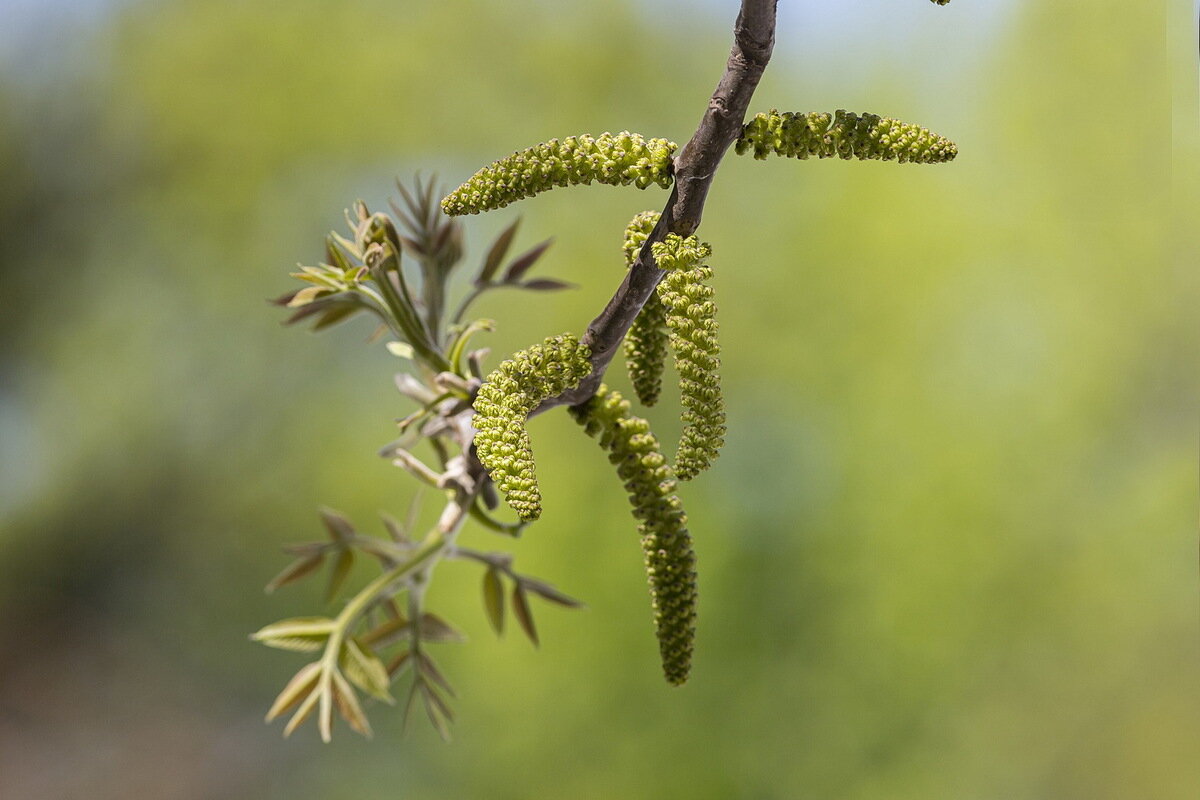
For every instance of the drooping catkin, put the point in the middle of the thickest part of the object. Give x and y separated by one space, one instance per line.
687 298
666 543
504 402
845 135
646 342
615 159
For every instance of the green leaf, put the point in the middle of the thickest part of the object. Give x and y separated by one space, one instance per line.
298 633
336 314
307 295
340 529
523 262
395 529
400 663
433 628
401 349
295 571
364 669
546 285
493 599
521 609
347 705
429 669
438 712
548 592
299 687
304 711
496 253
386 633
337 576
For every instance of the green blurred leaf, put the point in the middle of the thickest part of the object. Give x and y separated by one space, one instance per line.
493 599
347 705
340 529
435 629
520 265
298 633
364 669
520 606
548 592
295 571
298 688
496 253
337 576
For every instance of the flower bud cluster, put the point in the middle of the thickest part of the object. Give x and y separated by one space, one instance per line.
692 325
666 543
505 400
617 160
846 135
646 341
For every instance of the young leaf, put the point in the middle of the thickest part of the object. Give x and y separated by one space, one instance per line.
347 705
398 664
298 688
364 669
400 349
493 599
395 529
496 253
337 576
521 609
429 669
546 285
304 711
298 633
548 592
295 571
340 529
437 711
393 630
521 264
435 629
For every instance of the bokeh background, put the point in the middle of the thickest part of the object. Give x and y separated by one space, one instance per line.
949 550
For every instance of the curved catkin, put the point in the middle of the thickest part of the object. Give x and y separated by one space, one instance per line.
687 298
845 135
616 159
666 543
646 342
505 400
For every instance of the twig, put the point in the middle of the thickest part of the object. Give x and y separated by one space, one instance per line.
695 167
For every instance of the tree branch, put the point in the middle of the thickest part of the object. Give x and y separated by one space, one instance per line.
695 167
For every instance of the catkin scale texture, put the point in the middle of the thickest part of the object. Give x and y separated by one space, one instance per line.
615 159
687 296
503 404
845 135
666 543
646 342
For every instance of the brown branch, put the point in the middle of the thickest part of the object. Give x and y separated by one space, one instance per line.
695 167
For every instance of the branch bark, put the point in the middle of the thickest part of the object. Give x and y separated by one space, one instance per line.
695 167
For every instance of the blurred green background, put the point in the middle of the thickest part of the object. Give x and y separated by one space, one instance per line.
949 550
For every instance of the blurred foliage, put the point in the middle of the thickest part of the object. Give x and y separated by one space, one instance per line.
949 550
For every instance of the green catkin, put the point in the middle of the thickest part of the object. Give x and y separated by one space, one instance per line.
646 341
615 159
845 135
504 402
687 298
666 543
